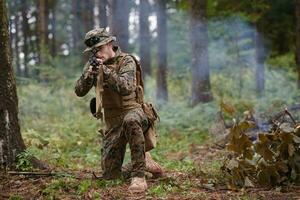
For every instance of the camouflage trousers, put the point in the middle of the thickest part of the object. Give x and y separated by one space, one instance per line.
126 128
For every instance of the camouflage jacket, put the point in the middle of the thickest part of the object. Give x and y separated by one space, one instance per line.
122 81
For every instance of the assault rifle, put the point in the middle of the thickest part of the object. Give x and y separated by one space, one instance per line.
93 60
96 103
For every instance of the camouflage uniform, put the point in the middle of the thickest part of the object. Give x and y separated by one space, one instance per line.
122 124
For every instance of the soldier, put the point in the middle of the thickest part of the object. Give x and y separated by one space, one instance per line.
115 78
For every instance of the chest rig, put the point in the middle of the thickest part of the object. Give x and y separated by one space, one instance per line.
111 101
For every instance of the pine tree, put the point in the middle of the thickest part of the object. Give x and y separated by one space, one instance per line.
144 35
201 89
161 76
26 35
119 10
11 142
102 5
297 10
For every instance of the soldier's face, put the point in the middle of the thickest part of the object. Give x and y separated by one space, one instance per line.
105 52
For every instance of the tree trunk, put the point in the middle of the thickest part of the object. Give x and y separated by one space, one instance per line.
41 28
11 22
77 28
145 37
52 8
11 142
201 89
53 31
297 10
120 22
103 13
10 33
88 14
47 10
25 30
260 66
161 77
17 50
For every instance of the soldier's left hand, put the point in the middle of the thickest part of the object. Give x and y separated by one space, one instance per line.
93 70
100 61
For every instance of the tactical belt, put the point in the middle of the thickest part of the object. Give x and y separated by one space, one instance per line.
114 112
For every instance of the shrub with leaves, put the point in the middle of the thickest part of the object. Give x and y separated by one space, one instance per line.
272 159
24 161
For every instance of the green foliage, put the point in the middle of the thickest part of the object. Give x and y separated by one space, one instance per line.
55 117
57 186
24 161
172 185
108 183
251 9
271 160
56 68
60 186
84 186
283 62
272 18
15 197
178 39
163 189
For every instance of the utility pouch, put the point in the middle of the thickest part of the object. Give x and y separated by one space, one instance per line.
150 133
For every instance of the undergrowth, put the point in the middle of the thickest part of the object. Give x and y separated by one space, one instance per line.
58 128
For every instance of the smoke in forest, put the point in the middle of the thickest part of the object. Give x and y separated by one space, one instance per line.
241 61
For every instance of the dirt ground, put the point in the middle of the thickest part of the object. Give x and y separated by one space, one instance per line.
34 187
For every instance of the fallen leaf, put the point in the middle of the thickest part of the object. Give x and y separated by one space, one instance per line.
248 182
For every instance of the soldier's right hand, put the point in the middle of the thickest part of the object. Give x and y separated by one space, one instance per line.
93 68
91 72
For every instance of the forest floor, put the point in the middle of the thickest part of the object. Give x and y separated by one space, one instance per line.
174 185
58 129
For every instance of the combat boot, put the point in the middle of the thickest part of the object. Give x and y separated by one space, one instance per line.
153 167
138 184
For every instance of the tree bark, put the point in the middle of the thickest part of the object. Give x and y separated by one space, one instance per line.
297 10
41 28
52 10
25 30
103 13
145 37
88 14
11 22
77 29
17 50
10 33
11 142
47 11
120 22
201 89
161 76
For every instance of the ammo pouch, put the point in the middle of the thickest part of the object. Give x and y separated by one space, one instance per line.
150 133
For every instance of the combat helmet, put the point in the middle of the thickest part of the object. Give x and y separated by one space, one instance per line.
96 38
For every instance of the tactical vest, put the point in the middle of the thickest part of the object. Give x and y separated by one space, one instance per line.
112 102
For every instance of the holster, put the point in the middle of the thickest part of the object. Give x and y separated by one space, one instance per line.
152 116
150 133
